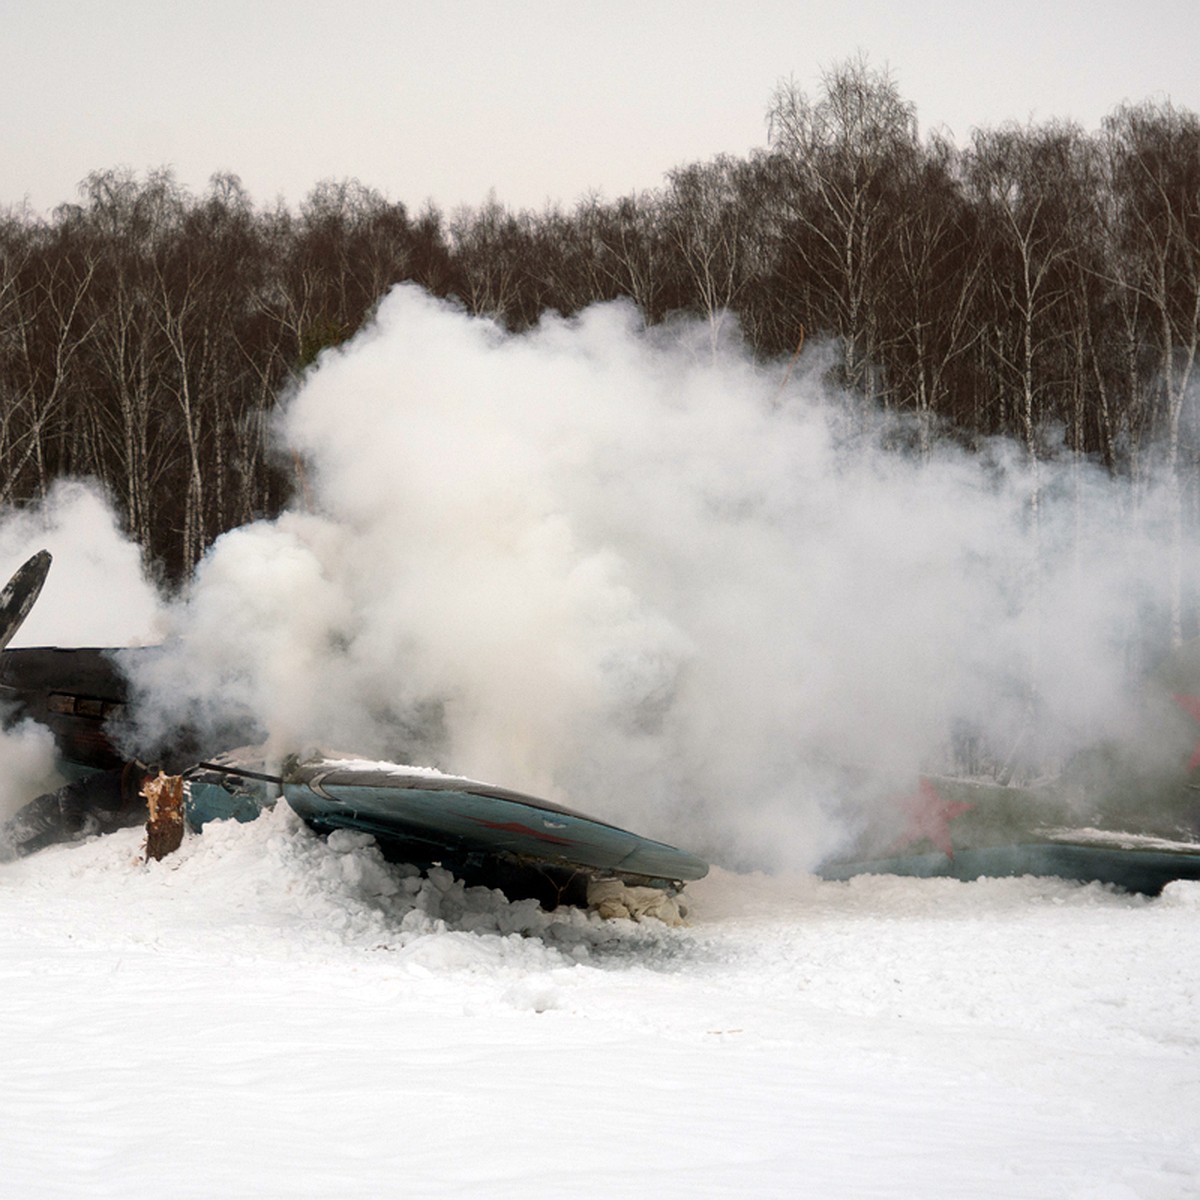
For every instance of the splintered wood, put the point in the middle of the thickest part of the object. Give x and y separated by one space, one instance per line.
164 829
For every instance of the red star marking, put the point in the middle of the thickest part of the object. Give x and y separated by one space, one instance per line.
517 827
1191 706
929 815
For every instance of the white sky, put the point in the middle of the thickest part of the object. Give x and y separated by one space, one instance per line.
542 100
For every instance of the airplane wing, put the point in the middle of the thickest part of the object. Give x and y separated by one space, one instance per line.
966 829
425 816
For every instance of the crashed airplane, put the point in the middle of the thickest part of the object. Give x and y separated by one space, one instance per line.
1123 813
523 845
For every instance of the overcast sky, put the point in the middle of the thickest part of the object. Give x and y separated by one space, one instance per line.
542 100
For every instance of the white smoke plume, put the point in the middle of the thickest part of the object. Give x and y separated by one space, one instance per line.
606 564
27 765
97 593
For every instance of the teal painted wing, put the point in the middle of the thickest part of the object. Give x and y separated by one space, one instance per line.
465 816
1134 868
433 816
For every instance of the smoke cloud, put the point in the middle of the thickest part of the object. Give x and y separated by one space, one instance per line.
641 574
27 765
97 593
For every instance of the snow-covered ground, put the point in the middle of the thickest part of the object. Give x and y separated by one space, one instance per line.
267 1014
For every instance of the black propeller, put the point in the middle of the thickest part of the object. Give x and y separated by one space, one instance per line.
20 593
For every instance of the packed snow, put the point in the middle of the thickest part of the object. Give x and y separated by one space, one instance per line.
269 1013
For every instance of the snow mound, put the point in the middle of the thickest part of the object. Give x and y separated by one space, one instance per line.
1183 893
335 891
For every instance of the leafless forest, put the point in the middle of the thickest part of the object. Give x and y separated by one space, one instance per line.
1040 283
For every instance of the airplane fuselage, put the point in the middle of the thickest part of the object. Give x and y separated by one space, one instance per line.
76 693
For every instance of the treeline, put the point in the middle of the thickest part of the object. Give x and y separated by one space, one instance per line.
1040 283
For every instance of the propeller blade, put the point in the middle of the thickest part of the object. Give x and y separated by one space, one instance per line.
20 593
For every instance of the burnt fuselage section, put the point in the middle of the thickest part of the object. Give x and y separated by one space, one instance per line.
85 698
79 694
